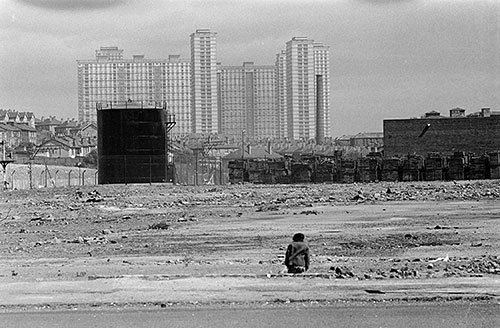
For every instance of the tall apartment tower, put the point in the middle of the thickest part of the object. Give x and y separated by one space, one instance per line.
322 90
247 101
111 79
204 82
280 66
306 84
177 93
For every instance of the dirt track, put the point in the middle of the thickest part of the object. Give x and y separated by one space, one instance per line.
363 234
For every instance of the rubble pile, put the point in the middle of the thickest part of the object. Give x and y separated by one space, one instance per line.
488 264
416 268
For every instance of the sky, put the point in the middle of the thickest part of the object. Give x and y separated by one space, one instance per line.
388 58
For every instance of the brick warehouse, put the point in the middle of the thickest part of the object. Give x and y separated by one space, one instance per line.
477 133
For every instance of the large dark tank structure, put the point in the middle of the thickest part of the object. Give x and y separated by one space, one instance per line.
133 142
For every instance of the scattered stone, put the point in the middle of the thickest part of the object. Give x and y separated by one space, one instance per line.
358 197
160 226
342 272
94 197
308 212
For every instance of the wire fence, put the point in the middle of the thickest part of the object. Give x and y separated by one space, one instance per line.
26 176
204 171
201 171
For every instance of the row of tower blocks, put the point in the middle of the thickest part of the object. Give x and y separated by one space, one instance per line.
289 99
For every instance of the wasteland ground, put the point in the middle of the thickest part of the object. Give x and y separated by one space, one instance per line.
163 245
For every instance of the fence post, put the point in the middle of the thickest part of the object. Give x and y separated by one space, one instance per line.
79 173
55 178
41 177
83 177
69 177
12 179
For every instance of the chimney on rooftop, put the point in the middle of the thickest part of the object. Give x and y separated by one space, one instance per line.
485 112
457 112
136 58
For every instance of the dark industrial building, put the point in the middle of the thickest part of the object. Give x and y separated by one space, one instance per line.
476 133
133 142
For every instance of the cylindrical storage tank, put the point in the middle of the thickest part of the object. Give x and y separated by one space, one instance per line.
131 143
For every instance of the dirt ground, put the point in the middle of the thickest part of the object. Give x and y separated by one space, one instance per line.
440 233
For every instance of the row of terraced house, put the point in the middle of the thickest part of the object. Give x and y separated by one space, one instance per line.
26 136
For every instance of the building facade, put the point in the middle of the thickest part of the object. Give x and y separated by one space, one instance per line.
306 84
280 66
322 90
204 82
290 99
12 116
178 93
111 79
247 101
476 133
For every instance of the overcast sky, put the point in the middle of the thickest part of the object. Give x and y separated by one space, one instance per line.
389 58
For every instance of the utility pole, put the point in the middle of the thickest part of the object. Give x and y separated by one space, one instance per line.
4 162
